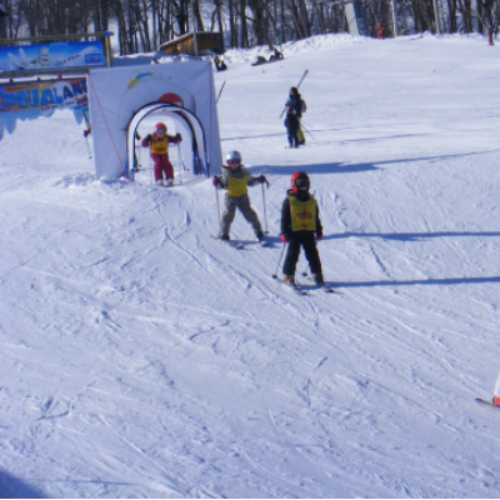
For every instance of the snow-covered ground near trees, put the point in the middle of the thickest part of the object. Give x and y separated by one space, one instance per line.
140 357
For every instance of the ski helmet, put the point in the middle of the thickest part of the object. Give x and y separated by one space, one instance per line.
160 126
233 159
300 180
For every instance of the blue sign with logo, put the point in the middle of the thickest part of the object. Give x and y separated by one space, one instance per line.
60 55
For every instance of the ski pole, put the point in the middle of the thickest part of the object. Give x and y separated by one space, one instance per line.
88 145
87 132
220 91
265 209
306 129
218 206
180 162
150 167
298 85
275 275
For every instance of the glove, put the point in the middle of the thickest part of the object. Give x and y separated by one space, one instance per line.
216 182
86 133
262 179
284 239
148 138
319 237
178 137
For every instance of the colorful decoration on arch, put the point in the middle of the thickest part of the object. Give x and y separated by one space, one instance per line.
29 100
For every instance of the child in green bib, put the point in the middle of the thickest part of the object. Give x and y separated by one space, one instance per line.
235 179
300 226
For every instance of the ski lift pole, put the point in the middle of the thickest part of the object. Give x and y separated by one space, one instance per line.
298 85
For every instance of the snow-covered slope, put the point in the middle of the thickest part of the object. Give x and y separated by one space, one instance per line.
140 357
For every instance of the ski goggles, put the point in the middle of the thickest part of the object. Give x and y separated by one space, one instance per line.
233 163
302 183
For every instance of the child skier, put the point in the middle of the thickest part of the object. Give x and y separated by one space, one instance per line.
300 224
158 144
235 179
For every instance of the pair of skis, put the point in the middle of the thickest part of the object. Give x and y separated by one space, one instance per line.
240 245
302 290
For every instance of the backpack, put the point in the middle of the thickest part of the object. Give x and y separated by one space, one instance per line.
303 106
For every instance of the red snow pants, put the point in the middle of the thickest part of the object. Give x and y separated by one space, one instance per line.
162 164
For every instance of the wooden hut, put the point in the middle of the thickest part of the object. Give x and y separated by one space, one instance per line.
194 44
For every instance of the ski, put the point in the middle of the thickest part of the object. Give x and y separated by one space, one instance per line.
292 288
488 403
235 244
324 287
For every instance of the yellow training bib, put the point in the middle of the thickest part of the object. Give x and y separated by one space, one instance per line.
160 147
237 187
303 214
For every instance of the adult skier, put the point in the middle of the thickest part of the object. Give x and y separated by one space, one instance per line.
295 102
158 144
292 127
235 179
301 226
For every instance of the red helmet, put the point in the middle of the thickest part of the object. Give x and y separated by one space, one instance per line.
299 180
160 126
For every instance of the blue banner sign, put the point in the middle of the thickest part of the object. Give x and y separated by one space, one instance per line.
30 100
60 55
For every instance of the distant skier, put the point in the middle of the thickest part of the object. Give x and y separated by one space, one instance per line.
296 103
158 144
235 179
220 64
292 126
276 55
300 225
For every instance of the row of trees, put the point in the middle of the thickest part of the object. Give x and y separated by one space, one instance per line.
142 25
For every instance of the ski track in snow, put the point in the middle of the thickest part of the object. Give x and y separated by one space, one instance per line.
141 357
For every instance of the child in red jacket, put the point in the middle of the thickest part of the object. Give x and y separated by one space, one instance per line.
158 144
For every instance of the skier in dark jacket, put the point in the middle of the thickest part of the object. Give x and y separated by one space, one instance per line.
301 226
292 126
295 102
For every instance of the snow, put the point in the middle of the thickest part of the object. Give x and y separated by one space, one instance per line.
140 357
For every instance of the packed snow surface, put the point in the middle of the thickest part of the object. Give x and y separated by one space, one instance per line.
140 357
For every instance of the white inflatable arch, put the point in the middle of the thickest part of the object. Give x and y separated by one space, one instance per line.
121 97
196 143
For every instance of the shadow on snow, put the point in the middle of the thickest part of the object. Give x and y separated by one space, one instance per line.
413 236
12 487
442 281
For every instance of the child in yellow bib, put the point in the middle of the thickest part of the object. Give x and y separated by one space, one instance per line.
158 146
300 226
235 179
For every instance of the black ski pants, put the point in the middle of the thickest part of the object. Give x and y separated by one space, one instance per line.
292 127
307 240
